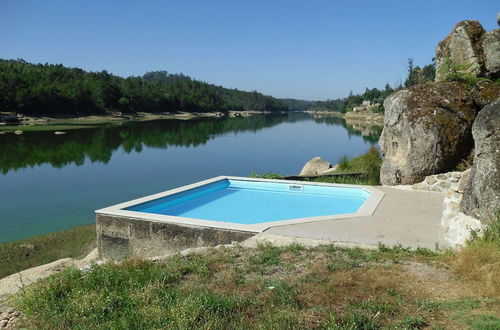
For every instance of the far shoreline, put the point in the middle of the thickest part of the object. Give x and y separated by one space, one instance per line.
75 122
29 123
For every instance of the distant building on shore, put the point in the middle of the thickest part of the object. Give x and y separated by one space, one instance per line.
365 106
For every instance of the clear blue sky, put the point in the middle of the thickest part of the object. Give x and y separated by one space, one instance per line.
300 49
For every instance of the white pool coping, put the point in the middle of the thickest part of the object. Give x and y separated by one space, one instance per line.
367 209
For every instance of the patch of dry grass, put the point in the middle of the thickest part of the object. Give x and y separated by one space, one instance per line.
478 262
268 287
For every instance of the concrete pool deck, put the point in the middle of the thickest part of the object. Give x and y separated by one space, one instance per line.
407 217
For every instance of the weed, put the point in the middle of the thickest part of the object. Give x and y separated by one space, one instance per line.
484 322
344 163
340 264
295 248
459 72
377 306
352 321
425 252
428 305
266 255
414 323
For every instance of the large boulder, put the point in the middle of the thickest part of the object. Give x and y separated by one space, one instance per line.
315 166
491 48
461 48
482 192
427 130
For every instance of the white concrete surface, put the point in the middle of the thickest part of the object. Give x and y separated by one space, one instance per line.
410 218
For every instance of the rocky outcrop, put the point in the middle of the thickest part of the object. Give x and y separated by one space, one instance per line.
491 49
462 47
482 192
469 49
315 166
427 130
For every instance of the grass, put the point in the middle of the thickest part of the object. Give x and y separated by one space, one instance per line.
479 260
291 287
269 287
40 250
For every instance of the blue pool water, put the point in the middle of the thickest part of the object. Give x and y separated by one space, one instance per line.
251 202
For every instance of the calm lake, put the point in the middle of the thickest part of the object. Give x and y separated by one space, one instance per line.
53 182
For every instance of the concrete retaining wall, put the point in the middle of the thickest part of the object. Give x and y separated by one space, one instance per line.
121 237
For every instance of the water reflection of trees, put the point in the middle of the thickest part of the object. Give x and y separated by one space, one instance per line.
98 144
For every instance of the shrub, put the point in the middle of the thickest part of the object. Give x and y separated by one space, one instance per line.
459 72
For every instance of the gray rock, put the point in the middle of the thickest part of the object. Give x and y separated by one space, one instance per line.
491 48
59 133
444 184
462 47
315 166
18 132
420 186
464 179
431 180
482 192
427 130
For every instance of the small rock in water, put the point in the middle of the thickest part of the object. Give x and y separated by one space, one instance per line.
18 132
59 133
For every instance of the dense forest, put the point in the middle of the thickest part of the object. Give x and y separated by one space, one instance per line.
298 105
53 90
416 75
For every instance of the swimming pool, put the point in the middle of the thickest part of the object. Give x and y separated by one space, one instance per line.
222 210
251 202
